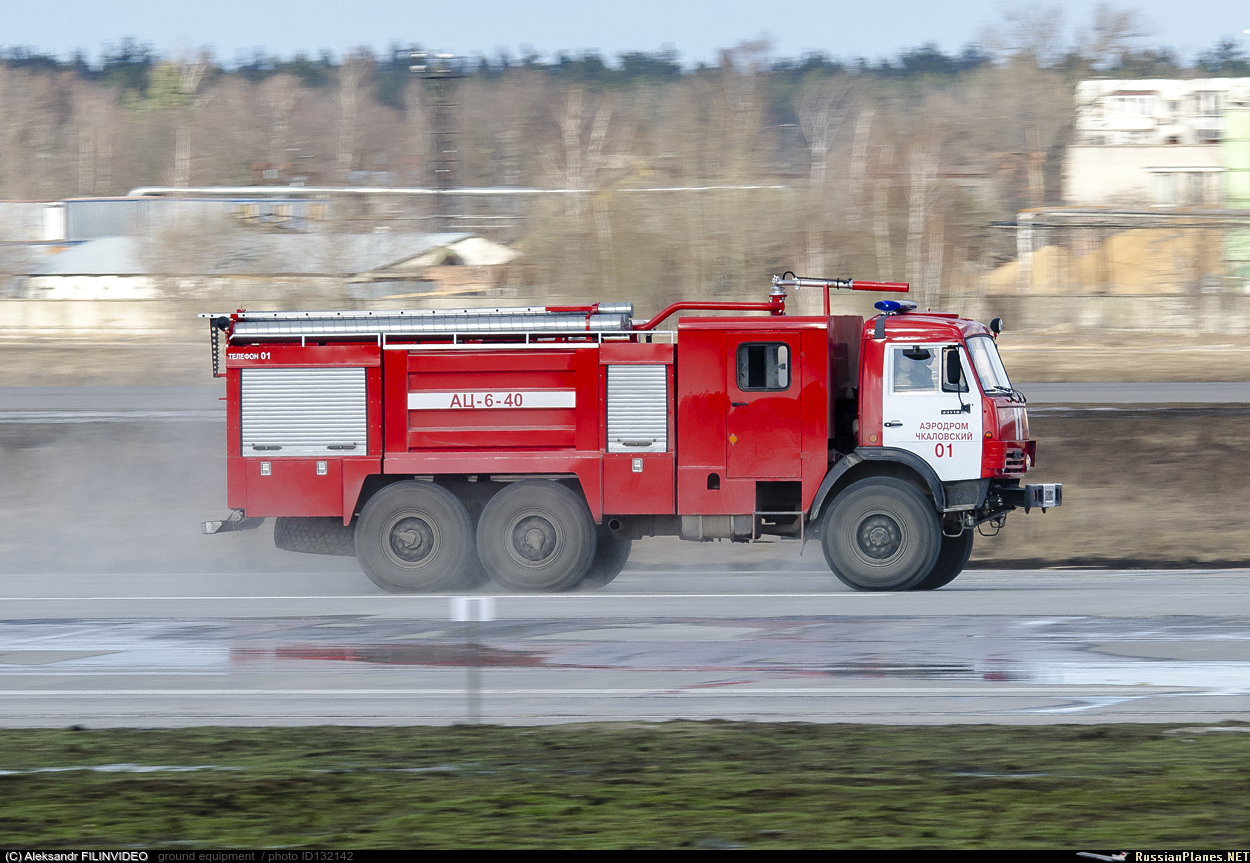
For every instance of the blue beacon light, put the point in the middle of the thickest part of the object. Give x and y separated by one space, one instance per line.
894 307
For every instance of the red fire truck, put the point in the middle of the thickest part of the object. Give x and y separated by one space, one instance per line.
533 445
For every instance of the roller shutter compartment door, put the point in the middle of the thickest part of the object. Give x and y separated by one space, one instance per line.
637 408
303 412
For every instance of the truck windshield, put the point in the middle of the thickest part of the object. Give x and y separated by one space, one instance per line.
989 365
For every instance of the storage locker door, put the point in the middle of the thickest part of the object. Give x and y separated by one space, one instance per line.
637 408
302 412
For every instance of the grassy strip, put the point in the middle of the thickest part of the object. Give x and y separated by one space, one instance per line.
666 785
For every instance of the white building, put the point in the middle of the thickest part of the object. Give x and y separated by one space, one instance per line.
1150 141
373 266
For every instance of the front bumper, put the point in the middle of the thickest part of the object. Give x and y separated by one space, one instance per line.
1005 496
1040 495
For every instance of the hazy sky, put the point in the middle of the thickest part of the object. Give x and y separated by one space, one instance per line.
695 28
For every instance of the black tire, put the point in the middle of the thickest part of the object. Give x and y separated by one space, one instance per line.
475 575
536 535
474 496
951 561
881 534
611 555
414 537
315 535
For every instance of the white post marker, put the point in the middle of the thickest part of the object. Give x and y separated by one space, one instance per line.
475 609
472 610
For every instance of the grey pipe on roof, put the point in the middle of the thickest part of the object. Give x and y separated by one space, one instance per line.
604 309
418 326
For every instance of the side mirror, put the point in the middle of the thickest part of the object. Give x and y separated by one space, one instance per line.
952 372
996 326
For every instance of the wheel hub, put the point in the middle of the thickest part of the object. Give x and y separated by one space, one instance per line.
879 537
413 539
534 539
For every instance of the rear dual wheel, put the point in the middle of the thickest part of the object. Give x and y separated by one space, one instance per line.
533 535
415 537
315 535
536 535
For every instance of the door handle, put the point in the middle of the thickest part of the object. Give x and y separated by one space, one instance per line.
738 404
892 424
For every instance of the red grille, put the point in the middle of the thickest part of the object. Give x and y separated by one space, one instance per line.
1013 461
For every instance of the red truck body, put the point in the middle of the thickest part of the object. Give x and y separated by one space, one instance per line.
729 427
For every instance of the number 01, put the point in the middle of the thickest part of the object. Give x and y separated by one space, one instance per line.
944 449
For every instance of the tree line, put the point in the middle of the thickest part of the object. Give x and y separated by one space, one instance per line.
892 169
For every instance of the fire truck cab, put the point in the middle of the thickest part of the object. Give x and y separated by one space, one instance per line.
533 445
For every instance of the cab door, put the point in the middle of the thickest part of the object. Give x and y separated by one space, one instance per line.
930 409
763 432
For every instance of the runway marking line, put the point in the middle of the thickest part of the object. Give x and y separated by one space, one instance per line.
988 689
447 596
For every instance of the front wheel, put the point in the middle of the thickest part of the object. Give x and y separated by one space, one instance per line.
611 555
951 561
536 535
881 534
415 536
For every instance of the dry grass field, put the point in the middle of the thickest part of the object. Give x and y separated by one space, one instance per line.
1142 487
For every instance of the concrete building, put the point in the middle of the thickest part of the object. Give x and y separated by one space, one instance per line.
144 287
1151 141
369 266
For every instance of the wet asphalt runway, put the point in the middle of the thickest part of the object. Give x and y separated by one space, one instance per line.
115 611
762 643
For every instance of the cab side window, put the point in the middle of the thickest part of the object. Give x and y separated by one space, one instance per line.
915 370
763 366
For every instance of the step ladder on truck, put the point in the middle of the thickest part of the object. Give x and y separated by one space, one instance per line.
534 445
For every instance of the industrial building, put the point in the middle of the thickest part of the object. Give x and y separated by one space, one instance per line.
1155 142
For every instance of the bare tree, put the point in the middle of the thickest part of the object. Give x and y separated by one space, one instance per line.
36 113
190 77
278 95
86 121
416 131
1027 34
881 227
824 108
579 163
580 156
922 172
352 73
859 162
1111 34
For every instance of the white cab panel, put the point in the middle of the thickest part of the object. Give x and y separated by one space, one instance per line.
943 428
